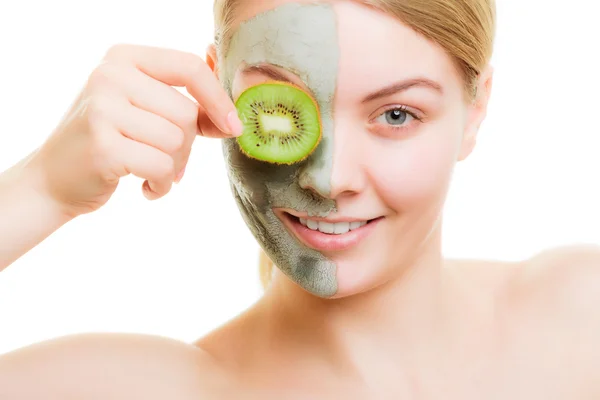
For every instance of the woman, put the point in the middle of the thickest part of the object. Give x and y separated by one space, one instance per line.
369 312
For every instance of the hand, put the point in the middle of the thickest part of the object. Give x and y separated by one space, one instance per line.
129 119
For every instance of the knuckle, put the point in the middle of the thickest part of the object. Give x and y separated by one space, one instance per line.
195 65
99 76
119 51
191 60
102 76
165 167
176 140
187 119
97 108
191 114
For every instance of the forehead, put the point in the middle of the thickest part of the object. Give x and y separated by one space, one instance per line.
296 36
339 45
379 48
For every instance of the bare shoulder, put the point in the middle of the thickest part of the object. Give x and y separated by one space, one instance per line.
554 302
545 312
563 280
111 366
556 290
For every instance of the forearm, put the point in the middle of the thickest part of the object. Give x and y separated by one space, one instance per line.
27 217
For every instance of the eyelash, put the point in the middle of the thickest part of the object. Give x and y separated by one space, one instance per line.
402 109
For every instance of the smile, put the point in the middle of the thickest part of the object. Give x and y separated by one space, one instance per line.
335 228
328 235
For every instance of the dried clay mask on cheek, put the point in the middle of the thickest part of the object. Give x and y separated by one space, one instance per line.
300 38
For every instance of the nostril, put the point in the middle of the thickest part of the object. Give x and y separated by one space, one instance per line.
317 184
313 193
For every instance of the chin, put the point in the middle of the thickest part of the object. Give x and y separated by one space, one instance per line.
351 279
361 271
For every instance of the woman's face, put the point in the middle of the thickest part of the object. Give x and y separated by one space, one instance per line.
395 121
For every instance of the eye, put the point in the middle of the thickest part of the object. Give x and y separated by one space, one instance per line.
396 120
395 117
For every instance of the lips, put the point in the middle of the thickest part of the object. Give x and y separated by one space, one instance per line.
329 236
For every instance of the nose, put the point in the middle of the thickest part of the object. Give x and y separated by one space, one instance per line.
334 169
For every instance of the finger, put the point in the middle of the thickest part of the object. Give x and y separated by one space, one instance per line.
207 128
155 131
143 127
153 96
149 163
146 127
177 68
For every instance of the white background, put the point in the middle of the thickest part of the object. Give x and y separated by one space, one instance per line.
185 264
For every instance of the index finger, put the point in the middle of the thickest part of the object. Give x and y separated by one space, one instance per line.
183 69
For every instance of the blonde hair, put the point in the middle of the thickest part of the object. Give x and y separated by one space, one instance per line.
465 29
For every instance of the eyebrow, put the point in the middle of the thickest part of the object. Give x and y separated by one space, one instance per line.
267 71
402 86
386 91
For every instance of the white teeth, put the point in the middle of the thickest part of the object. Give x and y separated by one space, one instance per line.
339 228
326 227
314 225
355 224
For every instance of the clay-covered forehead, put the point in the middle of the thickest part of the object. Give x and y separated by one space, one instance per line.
299 37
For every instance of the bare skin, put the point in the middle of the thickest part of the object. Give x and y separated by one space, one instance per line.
511 330
531 332
438 329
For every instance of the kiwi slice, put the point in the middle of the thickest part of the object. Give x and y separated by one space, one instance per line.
282 124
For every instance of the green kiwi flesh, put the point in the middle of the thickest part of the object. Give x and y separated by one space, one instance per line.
281 123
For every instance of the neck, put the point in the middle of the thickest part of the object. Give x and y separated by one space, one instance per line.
400 320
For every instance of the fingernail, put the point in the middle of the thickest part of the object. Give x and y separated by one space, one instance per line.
235 125
180 175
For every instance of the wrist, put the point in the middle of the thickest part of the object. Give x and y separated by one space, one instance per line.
27 214
29 180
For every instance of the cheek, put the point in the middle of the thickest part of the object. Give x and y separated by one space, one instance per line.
415 171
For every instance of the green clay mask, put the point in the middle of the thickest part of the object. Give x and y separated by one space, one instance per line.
301 38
